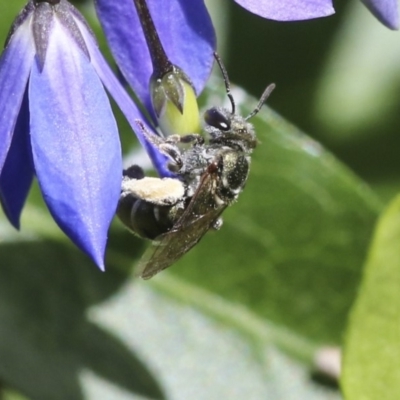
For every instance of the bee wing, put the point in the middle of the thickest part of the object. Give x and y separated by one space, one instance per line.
196 220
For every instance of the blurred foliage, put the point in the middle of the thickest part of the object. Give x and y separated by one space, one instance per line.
241 315
371 364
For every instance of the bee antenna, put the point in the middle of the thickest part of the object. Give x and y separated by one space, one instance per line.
226 80
268 90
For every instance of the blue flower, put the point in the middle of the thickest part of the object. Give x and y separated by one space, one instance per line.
56 123
288 10
385 11
188 40
185 30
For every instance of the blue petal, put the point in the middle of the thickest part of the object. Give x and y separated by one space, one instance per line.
75 144
185 30
289 10
17 174
125 103
15 64
387 11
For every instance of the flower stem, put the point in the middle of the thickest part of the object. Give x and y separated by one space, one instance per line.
161 64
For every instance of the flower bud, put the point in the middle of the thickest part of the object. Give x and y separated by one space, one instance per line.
175 104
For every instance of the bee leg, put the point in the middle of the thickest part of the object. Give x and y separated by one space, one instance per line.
217 224
194 138
166 146
150 136
174 153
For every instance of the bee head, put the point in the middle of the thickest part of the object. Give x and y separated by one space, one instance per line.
229 129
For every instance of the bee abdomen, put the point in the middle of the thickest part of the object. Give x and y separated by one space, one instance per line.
149 221
150 206
233 175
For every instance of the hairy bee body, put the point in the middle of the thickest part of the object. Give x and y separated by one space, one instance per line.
209 176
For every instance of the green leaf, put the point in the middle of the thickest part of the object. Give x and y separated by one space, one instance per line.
198 355
372 353
46 340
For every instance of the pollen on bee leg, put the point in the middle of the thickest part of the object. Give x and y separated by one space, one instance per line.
162 192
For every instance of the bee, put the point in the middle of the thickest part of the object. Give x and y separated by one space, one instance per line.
175 213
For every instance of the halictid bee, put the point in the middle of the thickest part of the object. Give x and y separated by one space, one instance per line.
175 213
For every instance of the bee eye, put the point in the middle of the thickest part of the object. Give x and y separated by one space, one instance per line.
217 119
